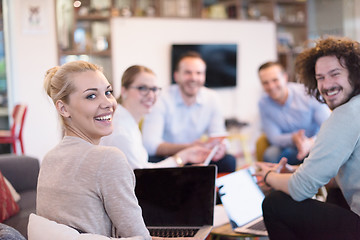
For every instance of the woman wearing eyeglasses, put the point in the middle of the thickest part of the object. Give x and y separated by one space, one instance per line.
139 93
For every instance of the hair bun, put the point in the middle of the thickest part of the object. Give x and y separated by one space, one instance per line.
48 77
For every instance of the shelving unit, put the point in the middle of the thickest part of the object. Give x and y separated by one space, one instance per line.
290 17
84 31
292 32
158 8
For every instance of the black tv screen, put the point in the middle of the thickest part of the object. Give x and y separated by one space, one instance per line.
221 62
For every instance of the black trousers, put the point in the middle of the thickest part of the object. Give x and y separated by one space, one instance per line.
309 219
226 164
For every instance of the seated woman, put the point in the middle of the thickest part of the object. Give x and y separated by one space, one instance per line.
139 92
82 184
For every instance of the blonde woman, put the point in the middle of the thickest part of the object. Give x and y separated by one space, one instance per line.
82 184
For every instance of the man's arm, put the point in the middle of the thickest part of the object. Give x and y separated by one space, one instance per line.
275 175
169 149
302 143
272 129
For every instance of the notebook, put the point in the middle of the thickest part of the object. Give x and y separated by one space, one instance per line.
177 198
242 199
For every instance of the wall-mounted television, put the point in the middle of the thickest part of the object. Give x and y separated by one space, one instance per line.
221 61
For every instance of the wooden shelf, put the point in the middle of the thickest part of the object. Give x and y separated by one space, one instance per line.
290 17
106 53
92 18
84 29
289 24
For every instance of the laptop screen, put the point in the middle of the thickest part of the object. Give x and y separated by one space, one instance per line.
176 196
241 197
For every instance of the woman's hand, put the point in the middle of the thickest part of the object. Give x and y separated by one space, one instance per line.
210 144
195 155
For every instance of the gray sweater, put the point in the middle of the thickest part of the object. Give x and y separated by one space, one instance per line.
336 153
91 188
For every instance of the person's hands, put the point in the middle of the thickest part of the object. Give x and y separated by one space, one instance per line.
264 167
302 143
220 153
195 154
281 167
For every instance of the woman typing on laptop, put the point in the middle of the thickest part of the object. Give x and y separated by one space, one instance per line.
139 93
82 184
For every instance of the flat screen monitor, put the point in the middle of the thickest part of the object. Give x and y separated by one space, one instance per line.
221 61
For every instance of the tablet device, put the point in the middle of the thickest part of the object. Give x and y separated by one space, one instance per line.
211 155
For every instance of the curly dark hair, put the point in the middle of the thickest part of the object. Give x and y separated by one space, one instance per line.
345 49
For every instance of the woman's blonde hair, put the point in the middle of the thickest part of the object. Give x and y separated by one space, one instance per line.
58 82
129 75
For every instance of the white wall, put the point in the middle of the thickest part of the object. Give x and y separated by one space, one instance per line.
148 42
31 52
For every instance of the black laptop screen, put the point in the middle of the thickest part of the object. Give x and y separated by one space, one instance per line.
176 196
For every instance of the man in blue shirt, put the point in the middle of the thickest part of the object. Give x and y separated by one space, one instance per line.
186 112
290 118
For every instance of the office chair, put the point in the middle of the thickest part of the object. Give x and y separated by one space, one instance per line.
15 133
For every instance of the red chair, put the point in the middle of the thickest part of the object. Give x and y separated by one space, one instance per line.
15 133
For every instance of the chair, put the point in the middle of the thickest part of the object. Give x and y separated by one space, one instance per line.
261 144
15 133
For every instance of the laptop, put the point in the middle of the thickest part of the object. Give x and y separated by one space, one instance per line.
242 199
177 200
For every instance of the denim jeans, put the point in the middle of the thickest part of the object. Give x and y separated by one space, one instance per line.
9 233
273 154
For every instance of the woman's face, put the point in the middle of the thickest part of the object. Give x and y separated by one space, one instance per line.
90 107
141 96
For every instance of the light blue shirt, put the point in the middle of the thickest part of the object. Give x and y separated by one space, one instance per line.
336 152
126 136
171 120
300 111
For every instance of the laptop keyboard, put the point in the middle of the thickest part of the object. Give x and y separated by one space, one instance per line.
173 232
259 226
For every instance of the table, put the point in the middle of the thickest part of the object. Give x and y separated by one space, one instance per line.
225 232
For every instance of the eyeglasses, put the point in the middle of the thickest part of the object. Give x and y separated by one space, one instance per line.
144 90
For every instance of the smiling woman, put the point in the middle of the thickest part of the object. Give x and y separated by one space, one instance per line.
89 108
81 184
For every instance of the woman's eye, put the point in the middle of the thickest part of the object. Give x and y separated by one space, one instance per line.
110 92
91 96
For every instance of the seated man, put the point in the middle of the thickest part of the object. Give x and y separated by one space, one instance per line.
290 118
185 113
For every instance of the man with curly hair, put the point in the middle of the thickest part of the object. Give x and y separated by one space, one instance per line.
331 72
290 118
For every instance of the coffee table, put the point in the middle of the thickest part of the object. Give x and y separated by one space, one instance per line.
225 232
